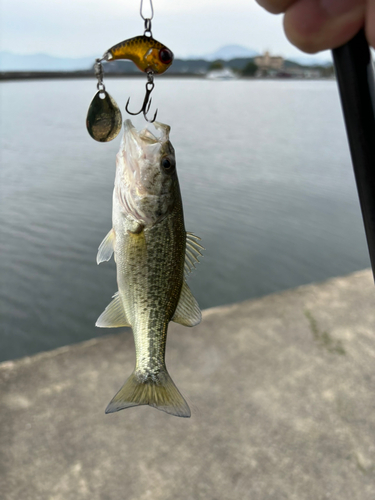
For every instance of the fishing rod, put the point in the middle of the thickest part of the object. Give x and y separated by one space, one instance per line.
356 82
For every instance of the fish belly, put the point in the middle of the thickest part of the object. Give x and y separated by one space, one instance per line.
150 267
150 276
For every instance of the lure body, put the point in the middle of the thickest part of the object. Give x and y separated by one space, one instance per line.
147 54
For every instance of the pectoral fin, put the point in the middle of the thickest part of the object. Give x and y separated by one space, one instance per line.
113 315
105 249
187 312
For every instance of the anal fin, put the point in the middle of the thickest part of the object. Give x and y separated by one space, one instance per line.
187 312
113 315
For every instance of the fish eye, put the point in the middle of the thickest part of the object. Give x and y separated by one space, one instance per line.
166 56
168 165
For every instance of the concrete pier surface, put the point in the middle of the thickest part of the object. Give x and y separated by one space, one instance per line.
282 392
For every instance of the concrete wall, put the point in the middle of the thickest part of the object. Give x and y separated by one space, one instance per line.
282 396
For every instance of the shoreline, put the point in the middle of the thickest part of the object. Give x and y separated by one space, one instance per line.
6 76
53 75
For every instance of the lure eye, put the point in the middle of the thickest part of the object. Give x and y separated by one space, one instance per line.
168 165
166 56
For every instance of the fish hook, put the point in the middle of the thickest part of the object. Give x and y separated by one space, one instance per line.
147 101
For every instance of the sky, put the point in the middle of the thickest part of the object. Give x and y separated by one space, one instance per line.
79 28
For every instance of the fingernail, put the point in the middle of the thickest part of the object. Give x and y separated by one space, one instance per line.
339 7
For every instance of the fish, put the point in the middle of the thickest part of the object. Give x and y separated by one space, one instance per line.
146 53
154 255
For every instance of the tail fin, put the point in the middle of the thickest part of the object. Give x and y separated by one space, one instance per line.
161 394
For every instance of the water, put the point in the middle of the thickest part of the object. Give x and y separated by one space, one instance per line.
266 180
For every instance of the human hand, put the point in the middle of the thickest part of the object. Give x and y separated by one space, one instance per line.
314 25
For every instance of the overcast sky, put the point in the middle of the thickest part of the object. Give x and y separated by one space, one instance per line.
77 28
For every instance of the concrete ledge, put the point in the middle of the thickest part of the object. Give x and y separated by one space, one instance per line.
282 396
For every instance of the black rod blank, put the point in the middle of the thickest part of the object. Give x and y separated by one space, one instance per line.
356 81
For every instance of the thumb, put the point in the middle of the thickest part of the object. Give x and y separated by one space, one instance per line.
315 25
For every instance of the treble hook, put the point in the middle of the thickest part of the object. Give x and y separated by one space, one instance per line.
147 101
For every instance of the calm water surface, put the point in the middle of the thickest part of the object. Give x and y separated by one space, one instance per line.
266 180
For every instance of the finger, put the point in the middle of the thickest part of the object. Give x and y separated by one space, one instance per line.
276 6
370 22
314 25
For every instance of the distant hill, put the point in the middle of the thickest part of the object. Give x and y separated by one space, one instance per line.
200 66
311 61
232 56
42 62
228 52
179 66
45 62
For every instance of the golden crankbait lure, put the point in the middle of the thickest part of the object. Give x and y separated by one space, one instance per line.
104 118
146 53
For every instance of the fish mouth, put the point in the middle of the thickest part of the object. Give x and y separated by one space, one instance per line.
138 163
145 136
141 148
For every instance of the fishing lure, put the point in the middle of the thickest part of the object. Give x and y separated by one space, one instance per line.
147 54
104 119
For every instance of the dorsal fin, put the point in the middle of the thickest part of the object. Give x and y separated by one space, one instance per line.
187 312
193 251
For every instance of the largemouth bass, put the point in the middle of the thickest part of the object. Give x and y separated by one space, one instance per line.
153 254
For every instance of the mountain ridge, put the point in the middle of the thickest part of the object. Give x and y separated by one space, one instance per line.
42 62
226 53
47 62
